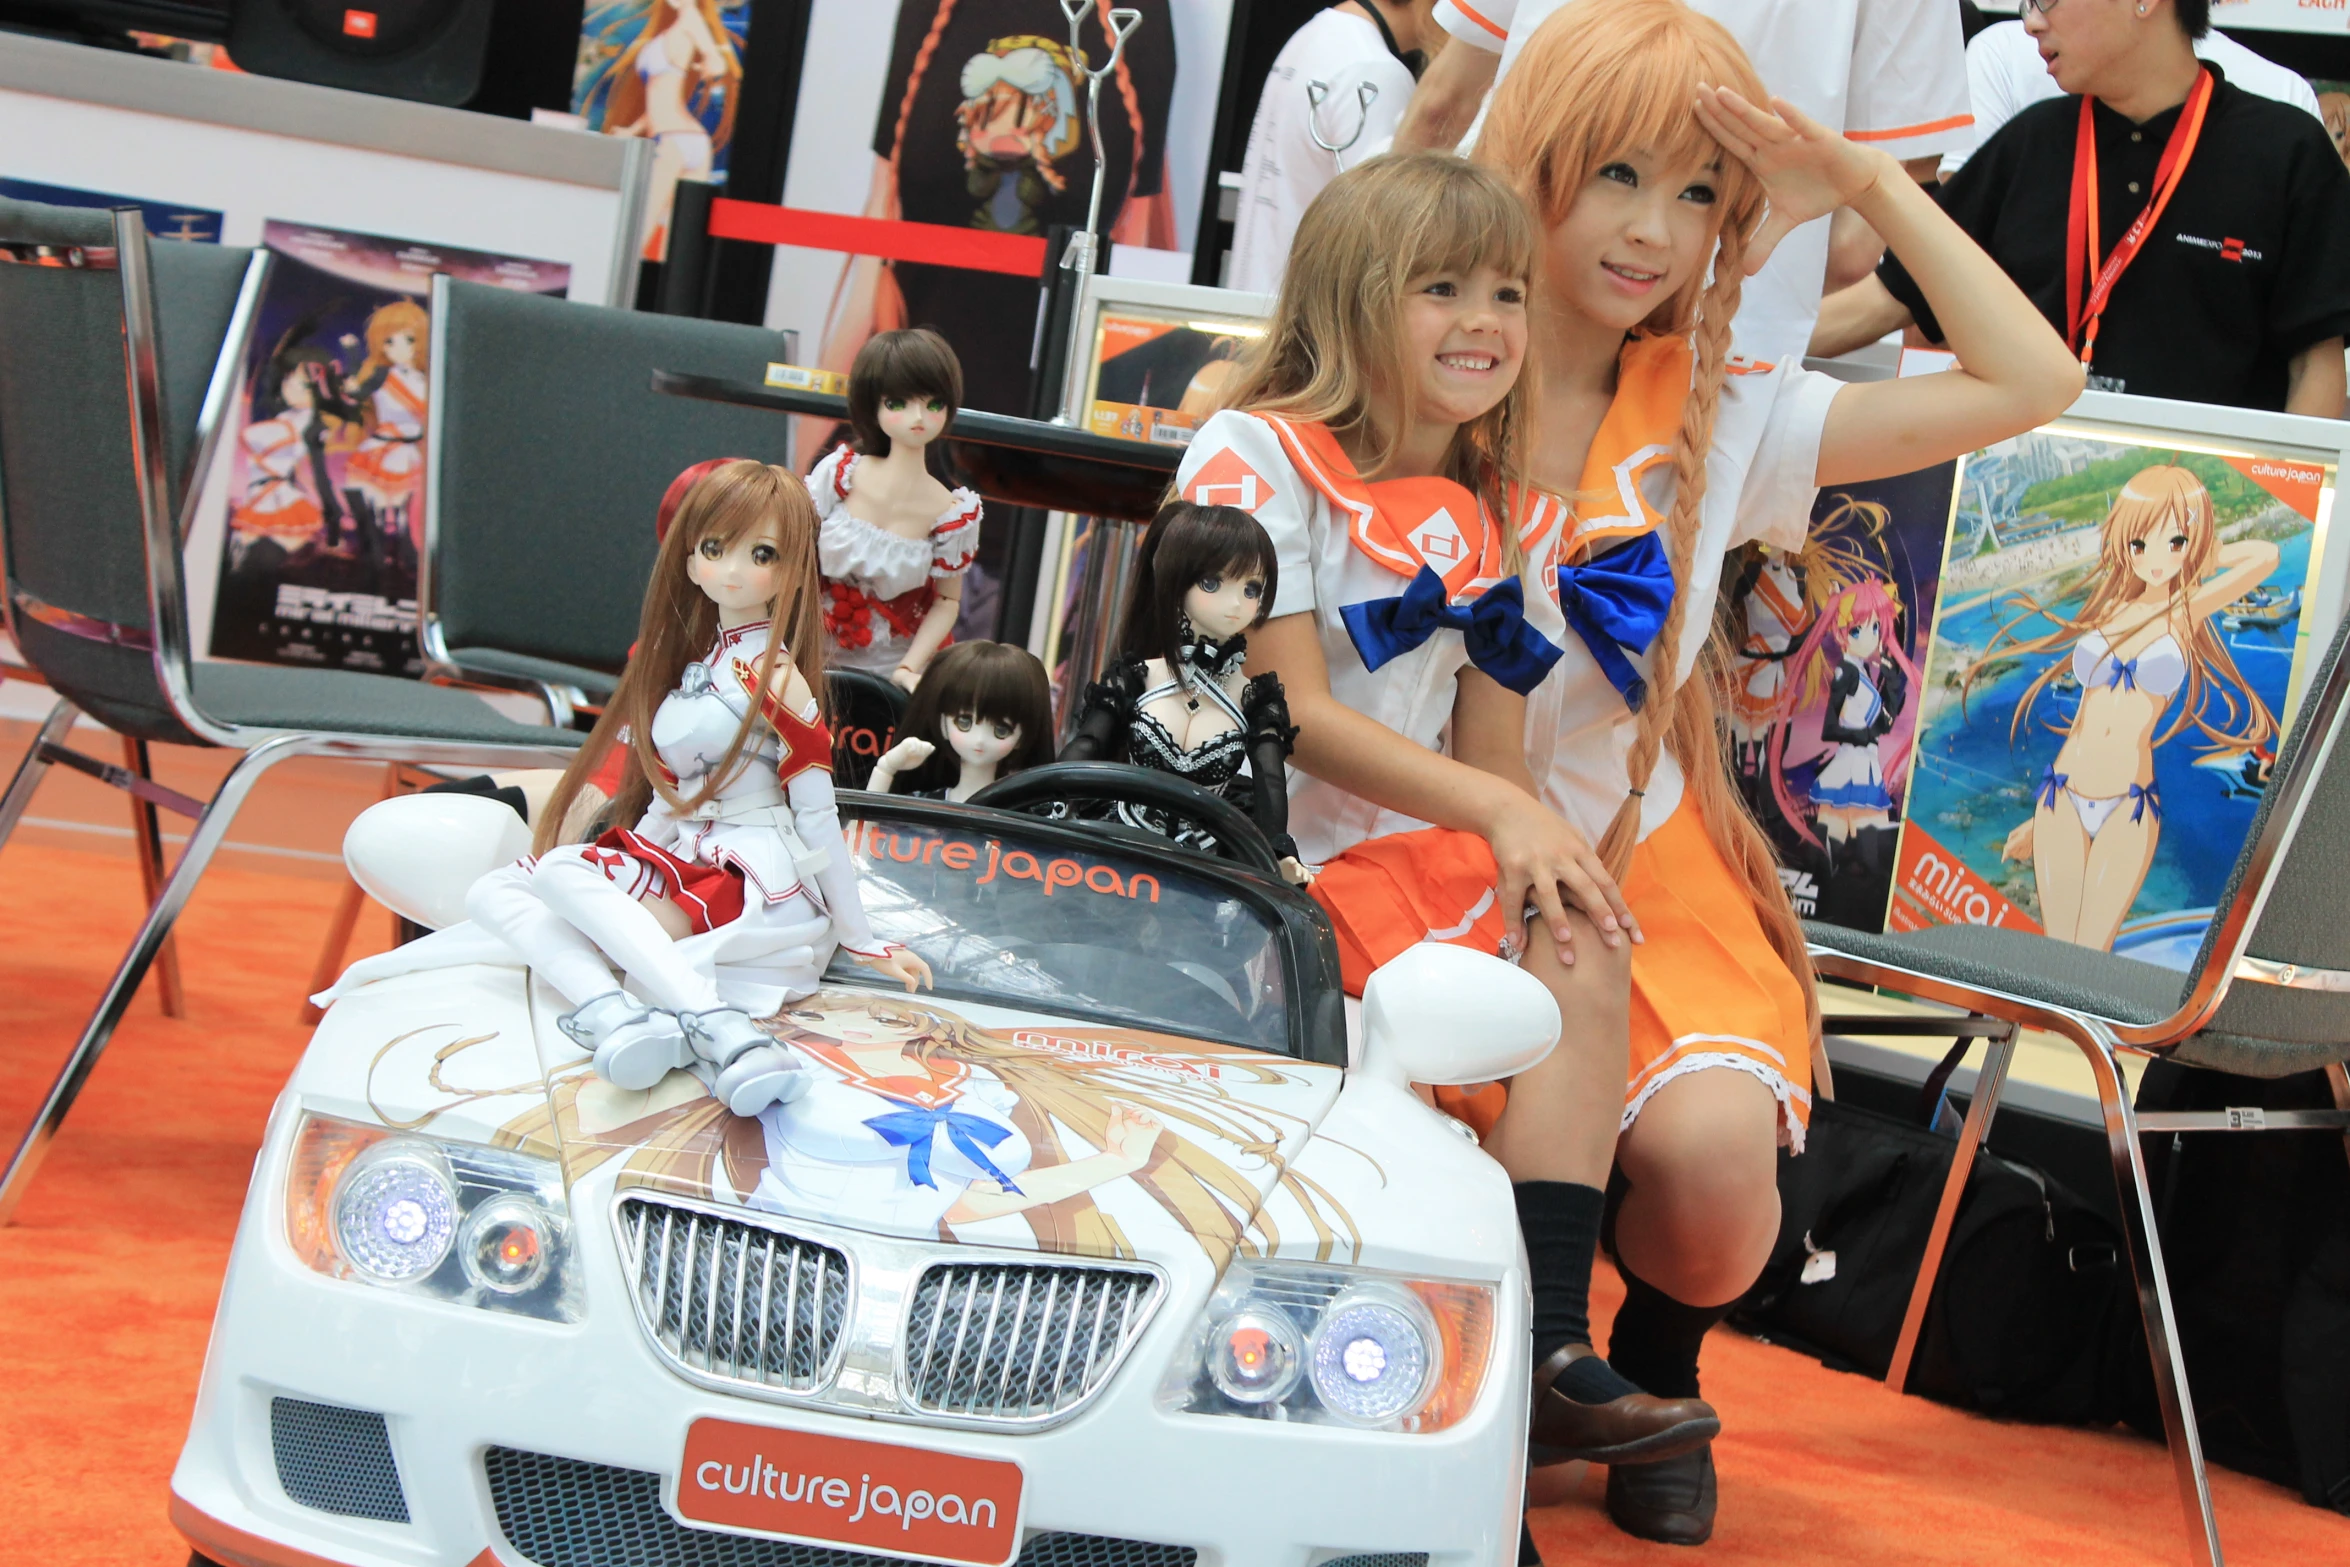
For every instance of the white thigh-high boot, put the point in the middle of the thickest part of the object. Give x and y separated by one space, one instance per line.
634 1045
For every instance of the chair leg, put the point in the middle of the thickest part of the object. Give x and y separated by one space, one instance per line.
346 918
1988 1085
2154 1303
34 767
203 842
147 835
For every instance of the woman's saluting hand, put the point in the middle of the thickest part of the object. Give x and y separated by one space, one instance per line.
1806 169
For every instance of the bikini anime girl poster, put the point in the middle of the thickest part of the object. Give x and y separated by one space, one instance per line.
1826 644
2112 663
327 456
670 71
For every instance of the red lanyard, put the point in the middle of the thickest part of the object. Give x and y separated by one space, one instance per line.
2081 239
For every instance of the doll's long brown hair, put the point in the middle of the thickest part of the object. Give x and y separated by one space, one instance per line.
1598 80
679 625
1336 339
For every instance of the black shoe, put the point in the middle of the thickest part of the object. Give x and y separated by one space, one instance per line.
1671 1501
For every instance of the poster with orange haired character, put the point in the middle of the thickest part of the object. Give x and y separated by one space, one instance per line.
2117 646
326 465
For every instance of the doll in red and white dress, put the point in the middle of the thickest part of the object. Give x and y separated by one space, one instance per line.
894 542
727 895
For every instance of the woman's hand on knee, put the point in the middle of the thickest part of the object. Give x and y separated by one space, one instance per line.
1546 868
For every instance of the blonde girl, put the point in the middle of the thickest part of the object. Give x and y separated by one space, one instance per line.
1634 129
1373 433
2143 636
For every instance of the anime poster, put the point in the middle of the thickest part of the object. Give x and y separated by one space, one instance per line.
165 219
1823 706
2117 637
1156 379
325 515
669 70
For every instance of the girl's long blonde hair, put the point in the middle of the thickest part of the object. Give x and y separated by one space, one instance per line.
2153 502
1335 343
680 623
1599 80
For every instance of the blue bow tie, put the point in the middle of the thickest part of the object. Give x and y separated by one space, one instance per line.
1494 628
1617 601
915 1130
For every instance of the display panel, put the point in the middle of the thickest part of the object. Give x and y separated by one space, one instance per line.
2117 647
1158 371
670 71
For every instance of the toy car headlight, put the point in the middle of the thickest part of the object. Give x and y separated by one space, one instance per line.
1336 1346
453 1221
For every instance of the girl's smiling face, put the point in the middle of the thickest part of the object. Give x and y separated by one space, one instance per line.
855 1029
2159 555
1464 342
1636 234
742 575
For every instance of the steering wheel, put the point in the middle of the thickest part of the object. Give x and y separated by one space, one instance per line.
1237 838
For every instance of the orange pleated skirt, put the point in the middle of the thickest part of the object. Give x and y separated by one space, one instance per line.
1708 990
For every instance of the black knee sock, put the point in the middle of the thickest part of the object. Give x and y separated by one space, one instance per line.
1656 1337
487 787
1560 1221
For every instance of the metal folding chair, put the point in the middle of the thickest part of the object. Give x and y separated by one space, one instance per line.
96 490
2267 995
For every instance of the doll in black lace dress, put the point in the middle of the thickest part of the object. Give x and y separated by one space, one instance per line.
1179 699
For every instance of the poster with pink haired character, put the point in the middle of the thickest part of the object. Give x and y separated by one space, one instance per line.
326 468
1826 644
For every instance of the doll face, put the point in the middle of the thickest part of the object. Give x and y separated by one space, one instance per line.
740 576
1464 342
913 420
852 1027
980 742
2157 557
1225 603
1635 235
400 348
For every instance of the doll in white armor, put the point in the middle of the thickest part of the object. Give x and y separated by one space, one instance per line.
726 897
983 711
895 542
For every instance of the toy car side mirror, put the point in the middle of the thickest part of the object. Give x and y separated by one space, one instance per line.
1447 1015
418 854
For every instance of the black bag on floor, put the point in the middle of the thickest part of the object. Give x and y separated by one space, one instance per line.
2024 1311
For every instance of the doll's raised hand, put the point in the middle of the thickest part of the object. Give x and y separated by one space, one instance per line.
2019 843
904 757
901 964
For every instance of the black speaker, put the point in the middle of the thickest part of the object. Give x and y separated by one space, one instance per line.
427 50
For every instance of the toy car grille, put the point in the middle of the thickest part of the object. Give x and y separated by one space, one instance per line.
1381 1559
337 1460
735 1300
560 1512
1020 1341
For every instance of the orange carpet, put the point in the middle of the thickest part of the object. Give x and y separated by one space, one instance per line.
108 1275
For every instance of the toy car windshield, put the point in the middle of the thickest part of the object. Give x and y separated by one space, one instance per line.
1040 918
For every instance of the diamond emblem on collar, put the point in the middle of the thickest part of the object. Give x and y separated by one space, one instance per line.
1439 541
1227 480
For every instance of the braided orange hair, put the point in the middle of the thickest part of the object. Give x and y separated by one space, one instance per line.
1599 79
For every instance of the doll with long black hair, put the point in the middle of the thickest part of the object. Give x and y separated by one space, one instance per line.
1179 699
983 711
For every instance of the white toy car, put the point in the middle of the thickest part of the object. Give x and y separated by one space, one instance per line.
1097 1255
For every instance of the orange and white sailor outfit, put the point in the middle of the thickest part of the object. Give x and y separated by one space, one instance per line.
762 869
1708 990
877 584
277 503
1405 581
390 459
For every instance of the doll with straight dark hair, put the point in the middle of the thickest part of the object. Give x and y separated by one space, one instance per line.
894 542
991 705
1179 699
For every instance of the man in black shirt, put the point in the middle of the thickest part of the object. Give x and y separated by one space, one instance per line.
2240 290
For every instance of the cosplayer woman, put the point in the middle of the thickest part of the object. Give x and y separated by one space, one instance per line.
983 711
1372 435
1180 700
2142 637
1634 128
726 897
895 542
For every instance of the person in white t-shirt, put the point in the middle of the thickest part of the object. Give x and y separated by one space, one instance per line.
2005 75
1333 99
1889 73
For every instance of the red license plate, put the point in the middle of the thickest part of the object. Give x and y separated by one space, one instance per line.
834 1490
